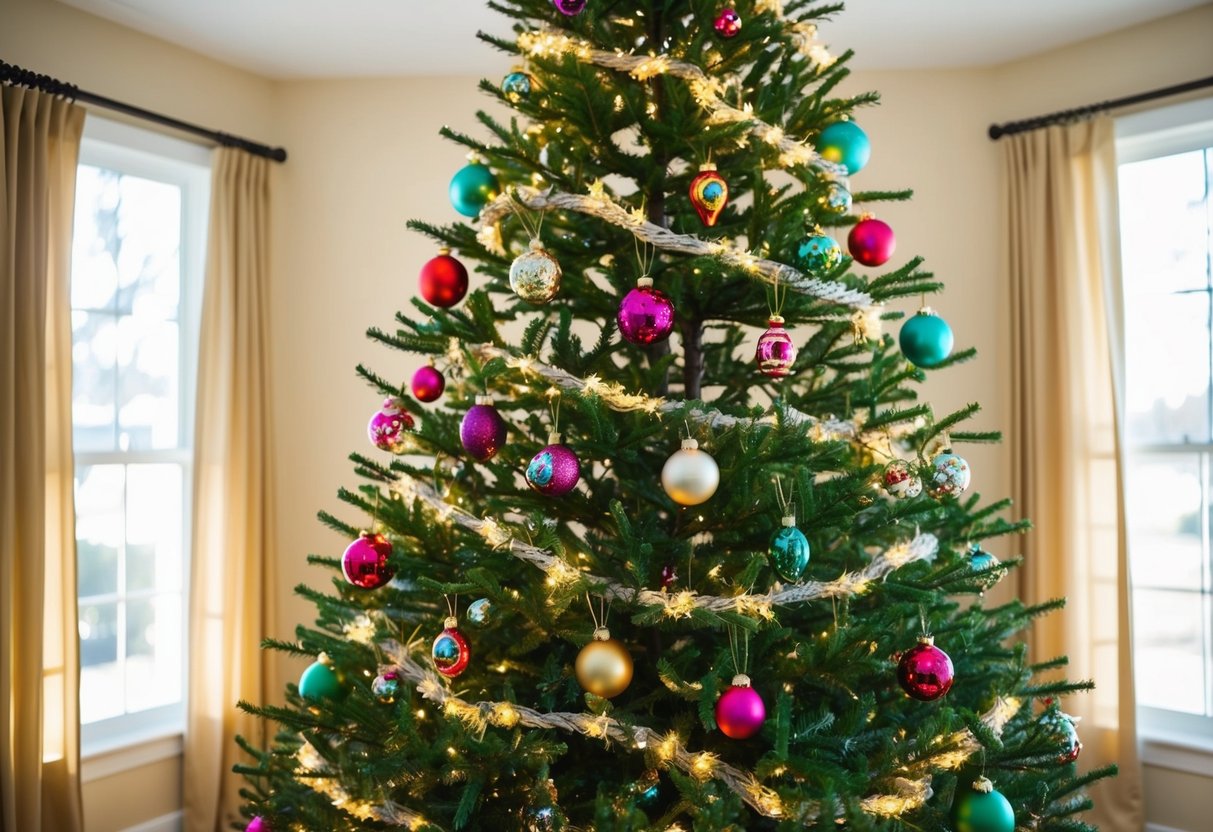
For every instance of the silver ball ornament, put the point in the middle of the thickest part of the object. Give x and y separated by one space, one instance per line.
690 476
535 275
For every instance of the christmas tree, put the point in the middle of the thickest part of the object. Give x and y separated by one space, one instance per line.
659 536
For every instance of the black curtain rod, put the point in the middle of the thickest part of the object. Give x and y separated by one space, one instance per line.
17 76
997 131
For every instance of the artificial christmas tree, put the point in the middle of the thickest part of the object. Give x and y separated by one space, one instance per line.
793 637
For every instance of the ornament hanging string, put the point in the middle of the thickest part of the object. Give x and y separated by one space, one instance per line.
599 618
785 503
776 303
645 255
922 619
554 407
739 667
452 606
522 212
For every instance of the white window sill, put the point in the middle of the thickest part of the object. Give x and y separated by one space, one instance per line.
104 759
1179 752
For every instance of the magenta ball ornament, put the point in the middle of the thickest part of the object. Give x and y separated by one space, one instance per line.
646 314
365 561
482 430
871 242
925 672
390 425
728 22
739 711
443 280
776 351
569 8
555 470
428 383
257 824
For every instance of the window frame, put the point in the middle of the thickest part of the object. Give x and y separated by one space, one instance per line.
139 152
1172 739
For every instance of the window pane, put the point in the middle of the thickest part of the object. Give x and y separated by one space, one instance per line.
1168 650
95 240
1164 227
94 380
99 532
154 656
1163 509
149 228
147 383
153 527
100 672
1167 367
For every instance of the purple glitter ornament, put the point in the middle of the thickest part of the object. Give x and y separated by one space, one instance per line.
483 430
740 712
569 7
365 561
646 315
555 470
389 425
776 352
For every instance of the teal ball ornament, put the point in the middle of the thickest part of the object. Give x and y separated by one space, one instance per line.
473 187
926 339
845 142
789 551
516 86
319 682
818 254
983 808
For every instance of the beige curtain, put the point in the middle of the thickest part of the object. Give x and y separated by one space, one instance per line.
1063 261
232 586
39 663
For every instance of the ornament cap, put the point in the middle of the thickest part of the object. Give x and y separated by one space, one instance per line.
788 521
929 641
450 623
602 634
867 215
689 444
444 250
484 400
324 659
741 681
775 320
536 244
983 785
707 166
926 310
554 438
644 282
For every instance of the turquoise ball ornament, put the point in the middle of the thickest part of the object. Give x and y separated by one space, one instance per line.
818 254
319 682
926 339
473 187
516 86
789 551
845 142
983 809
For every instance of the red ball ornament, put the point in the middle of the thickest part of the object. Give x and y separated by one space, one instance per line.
925 672
444 280
451 651
871 241
428 383
740 712
728 22
365 561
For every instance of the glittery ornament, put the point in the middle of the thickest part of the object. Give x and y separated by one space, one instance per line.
428 383
950 476
647 789
535 275
603 666
555 470
837 198
690 476
473 187
845 142
789 551
776 351
482 430
1063 730
319 681
516 86
450 651
443 281
983 562
740 711
390 425
818 254
709 194
365 561
646 315
569 7
386 686
982 808
871 241
900 480
926 339
728 22
669 576
480 611
925 672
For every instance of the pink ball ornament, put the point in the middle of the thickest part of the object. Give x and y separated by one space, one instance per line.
776 352
646 315
728 22
555 470
569 8
740 712
389 426
482 430
365 561
925 672
871 242
428 383
257 824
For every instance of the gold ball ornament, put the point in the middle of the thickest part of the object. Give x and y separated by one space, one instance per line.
690 476
604 667
535 275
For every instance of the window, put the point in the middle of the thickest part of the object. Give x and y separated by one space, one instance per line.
1166 223
137 258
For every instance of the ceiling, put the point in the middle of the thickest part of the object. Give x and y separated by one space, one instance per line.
327 39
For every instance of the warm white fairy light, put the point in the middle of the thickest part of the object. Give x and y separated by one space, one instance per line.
361 630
